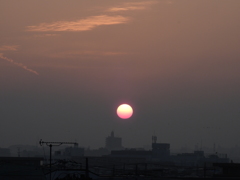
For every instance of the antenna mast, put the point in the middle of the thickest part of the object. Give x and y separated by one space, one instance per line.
51 144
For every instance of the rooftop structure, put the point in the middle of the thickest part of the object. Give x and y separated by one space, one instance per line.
113 143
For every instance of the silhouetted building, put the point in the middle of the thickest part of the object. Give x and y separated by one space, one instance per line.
189 159
96 152
160 151
113 143
132 153
69 152
73 151
229 169
21 168
197 158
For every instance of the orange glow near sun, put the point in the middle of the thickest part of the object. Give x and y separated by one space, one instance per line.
124 111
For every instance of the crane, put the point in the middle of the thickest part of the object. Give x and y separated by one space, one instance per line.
51 144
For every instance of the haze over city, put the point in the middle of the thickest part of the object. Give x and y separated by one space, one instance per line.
65 67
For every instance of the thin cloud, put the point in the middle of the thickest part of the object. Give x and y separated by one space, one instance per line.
45 35
18 64
73 54
132 6
8 48
79 25
115 9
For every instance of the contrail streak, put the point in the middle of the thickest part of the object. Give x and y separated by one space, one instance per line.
18 64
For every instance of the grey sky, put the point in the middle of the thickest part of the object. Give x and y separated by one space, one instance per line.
176 62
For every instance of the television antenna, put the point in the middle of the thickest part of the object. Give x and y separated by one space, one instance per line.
51 144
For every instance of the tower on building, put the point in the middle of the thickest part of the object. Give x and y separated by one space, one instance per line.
160 150
113 143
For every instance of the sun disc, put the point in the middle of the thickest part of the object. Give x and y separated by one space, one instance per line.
124 111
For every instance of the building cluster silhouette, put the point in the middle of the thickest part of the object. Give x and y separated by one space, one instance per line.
113 161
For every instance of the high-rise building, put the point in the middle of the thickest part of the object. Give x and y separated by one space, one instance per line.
160 150
113 143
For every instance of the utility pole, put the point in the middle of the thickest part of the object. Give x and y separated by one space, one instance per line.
51 144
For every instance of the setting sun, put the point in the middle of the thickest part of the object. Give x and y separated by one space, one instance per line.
124 111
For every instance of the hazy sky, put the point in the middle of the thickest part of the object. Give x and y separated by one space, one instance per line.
65 66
